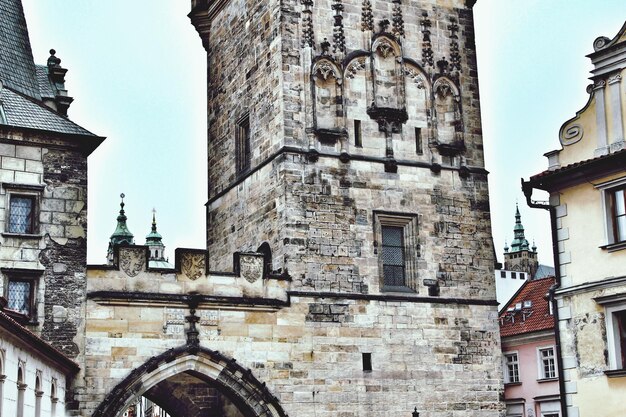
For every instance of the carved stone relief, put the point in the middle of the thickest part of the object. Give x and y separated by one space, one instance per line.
193 265
132 261
251 268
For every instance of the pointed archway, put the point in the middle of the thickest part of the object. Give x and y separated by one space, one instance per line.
237 383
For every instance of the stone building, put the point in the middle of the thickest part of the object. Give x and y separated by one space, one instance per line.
586 180
346 176
349 264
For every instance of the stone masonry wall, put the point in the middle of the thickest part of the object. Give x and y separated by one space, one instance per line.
441 358
56 252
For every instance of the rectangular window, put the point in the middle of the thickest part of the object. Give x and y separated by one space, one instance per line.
513 275
618 214
21 214
418 141
367 362
522 275
502 274
242 145
393 256
547 366
398 250
511 368
358 140
20 296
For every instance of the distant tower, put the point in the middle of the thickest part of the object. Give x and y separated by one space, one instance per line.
154 242
520 257
121 235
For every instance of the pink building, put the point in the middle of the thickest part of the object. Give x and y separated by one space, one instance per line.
529 353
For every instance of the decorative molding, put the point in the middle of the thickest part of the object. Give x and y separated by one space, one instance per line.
308 35
416 76
339 37
614 79
455 56
427 50
132 261
367 18
397 19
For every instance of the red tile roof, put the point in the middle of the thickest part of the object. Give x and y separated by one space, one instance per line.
531 319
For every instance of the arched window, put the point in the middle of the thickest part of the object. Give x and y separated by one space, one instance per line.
38 394
21 388
53 398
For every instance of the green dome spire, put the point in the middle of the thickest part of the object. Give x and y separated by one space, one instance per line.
121 233
519 242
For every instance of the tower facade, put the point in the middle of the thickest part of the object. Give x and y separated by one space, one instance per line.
346 135
520 257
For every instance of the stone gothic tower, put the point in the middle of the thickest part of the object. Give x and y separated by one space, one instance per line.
346 135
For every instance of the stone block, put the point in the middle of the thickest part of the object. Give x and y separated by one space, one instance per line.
28 152
14 164
27 178
34 166
7 149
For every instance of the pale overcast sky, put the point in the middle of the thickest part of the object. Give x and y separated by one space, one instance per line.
137 72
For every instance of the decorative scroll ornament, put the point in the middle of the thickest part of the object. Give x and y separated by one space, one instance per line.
339 38
354 67
427 50
397 19
308 36
193 265
614 79
132 261
600 43
251 268
367 18
571 135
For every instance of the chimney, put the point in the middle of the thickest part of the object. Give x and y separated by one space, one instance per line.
56 74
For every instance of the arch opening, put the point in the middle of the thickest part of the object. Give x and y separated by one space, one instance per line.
190 381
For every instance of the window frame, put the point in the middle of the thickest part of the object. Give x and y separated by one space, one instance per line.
32 192
608 190
505 363
243 145
541 365
23 275
616 348
409 225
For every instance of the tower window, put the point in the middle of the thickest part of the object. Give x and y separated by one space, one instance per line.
418 141
393 256
22 214
358 140
367 362
20 296
242 144
398 250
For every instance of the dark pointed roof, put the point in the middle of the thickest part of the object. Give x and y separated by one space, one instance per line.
519 242
17 67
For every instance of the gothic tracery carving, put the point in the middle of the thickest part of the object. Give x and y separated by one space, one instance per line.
367 18
427 50
339 38
308 36
397 19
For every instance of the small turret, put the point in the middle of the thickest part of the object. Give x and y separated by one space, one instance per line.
520 257
154 242
121 235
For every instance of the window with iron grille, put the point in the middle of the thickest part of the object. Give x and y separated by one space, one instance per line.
398 250
20 296
511 368
242 145
21 214
393 256
547 365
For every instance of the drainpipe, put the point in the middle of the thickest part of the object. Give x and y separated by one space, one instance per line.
527 188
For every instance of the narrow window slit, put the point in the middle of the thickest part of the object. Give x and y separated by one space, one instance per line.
367 362
418 141
358 140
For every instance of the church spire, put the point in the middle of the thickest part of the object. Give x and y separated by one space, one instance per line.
121 235
154 242
519 242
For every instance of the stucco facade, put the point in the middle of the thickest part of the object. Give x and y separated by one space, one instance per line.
586 179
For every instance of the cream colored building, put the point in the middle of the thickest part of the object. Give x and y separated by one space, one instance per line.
586 180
